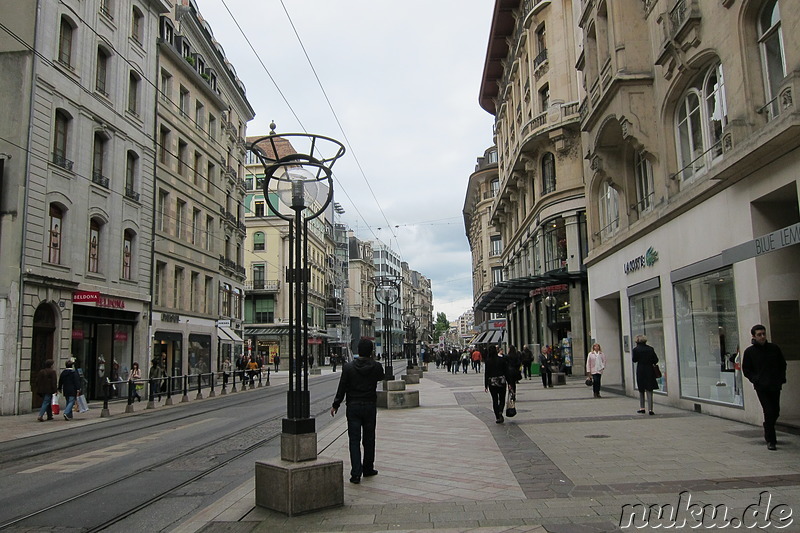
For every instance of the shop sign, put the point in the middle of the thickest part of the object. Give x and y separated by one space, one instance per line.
223 323
82 297
788 236
314 341
170 317
647 260
120 336
112 303
498 324
77 334
551 289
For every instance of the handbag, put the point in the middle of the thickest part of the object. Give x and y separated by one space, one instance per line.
656 371
589 381
511 406
54 406
83 405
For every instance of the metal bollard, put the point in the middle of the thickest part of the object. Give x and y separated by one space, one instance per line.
131 389
105 412
211 394
260 371
199 387
169 383
233 386
267 375
185 397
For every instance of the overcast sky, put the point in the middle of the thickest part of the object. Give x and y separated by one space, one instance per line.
403 79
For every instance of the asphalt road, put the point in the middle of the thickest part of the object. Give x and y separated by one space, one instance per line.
145 472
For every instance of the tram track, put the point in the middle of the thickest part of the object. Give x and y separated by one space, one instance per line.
203 453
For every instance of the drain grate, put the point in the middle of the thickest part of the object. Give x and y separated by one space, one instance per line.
596 436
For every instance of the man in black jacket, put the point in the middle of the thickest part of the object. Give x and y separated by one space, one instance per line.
765 367
359 383
69 383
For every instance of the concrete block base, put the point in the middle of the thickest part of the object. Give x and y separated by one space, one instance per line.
296 488
411 379
315 371
559 378
394 385
398 399
301 447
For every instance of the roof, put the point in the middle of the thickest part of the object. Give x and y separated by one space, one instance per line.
502 28
273 147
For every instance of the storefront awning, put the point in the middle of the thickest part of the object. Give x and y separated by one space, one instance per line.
517 290
277 330
226 334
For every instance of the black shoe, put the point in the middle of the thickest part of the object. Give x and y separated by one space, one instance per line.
49 418
500 419
652 413
355 480
640 411
66 417
772 446
370 473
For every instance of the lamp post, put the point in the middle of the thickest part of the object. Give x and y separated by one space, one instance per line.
303 182
411 321
387 292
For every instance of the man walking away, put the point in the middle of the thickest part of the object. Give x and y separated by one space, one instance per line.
765 367
46 386
70 385
359 382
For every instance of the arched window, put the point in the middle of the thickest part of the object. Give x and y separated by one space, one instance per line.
548 173
101 76
700 118
55 232
61 139
127 254
131 171
609 210
133 93
644 182
137 25
65 42
258 241
94 246
98 159
773 62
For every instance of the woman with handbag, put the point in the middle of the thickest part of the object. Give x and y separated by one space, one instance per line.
595 364
133 381
513 364
494 381
645 358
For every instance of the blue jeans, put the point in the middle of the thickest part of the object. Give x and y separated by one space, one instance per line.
70 404
46 406
361 415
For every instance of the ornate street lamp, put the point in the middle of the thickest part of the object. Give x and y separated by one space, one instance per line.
411 322
303 182
387 292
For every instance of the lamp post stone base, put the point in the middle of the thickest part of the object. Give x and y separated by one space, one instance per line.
294 488
298 448
395 396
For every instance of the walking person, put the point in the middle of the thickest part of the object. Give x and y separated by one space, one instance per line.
476 360
334 361
69 384
595 364
765 367
46 386
465 358
513 362
134 377
155 376
359 383
645 357
527 360
276 359
544 367
494 381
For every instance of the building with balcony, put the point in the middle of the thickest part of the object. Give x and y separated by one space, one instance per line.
538 207
337 317
360 291
198 270
416 299
388 265
76 199
691 139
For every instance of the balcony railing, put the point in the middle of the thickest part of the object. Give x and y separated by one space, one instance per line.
61 161
272 285
99 179
539 59
130 193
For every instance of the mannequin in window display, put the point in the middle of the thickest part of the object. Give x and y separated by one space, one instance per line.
764 365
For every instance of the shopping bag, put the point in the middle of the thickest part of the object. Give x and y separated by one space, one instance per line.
83 405
54 405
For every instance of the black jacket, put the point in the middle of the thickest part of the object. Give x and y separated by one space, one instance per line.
764 366
494 368
646 357
69 382
359 381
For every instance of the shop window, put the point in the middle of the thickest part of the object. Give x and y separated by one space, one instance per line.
773 62
94 246
199 355
54 240
555 245
708 339
700 118
647 319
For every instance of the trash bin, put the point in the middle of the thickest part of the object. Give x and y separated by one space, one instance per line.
535 369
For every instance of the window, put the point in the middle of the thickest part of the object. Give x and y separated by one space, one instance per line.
195 226
94 246
209 232
225 298
212 126
259 209
101 75
167 32
548 173
177 288
105 8
258 241
210 176
708 340
258 276
700 119
166 85
131 169
137 26
209 295
541 46
609 210
496 246
248 184
263 310
163 144
158 283
163 223
773 61
98 160
544 98
492 157
133 93
647 319
180 218
60 136
197 166
497 275
65 38
644 182
494 187
127 254
183 149
54 241
184 101
199 115
555 245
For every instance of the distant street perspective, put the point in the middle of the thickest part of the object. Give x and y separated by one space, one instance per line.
462 265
